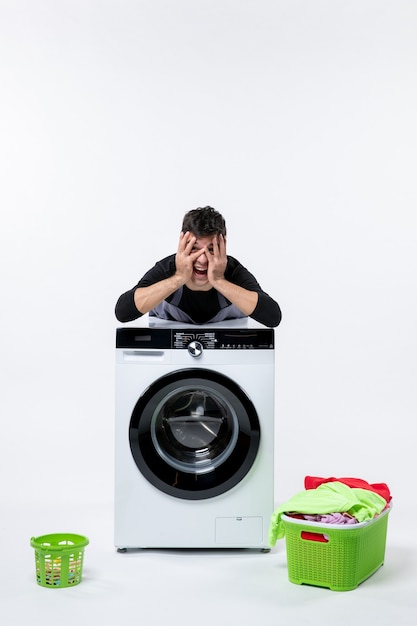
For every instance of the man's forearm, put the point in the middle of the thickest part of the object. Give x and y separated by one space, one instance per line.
147 298
245 300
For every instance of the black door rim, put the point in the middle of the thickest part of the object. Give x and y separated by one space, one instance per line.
165 448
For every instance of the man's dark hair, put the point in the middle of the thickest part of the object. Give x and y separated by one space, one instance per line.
203 222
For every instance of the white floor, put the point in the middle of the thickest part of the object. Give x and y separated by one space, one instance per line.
156 587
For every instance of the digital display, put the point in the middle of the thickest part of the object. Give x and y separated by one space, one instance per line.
143 337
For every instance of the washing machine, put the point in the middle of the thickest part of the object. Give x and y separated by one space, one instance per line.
194 435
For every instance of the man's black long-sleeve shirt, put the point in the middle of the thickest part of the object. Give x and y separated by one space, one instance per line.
201 306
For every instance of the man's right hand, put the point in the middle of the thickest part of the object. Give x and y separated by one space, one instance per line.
185 258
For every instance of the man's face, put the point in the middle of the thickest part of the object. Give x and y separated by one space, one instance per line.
199 277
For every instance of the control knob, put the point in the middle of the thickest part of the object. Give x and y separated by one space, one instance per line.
195 348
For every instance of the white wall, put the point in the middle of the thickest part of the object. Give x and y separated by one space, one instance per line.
296 119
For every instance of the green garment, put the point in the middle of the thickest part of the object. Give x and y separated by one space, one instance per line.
331 497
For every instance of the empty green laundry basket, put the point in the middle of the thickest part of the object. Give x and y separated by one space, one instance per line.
59 559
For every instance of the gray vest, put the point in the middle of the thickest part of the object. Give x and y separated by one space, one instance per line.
170 310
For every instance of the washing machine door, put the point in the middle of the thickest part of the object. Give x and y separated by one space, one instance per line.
194 434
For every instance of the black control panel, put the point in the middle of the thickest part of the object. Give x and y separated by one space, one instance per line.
210 339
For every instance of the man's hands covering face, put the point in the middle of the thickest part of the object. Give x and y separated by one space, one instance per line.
206 253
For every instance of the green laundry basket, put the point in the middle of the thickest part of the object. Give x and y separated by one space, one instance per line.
336 556
59 559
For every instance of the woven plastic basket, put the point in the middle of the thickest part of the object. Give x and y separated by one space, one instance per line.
59 559
338 557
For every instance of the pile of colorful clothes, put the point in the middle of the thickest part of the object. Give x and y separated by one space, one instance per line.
334 501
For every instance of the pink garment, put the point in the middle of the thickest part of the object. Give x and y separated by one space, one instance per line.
332 518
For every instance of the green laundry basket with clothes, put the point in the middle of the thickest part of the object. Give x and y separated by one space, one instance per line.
336 556
59 559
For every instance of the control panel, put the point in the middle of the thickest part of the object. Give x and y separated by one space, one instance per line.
181 338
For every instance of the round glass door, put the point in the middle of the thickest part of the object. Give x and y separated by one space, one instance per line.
194 434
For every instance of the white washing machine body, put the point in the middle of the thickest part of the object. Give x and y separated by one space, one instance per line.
194 436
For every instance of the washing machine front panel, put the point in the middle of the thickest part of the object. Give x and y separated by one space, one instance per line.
227 371
194 433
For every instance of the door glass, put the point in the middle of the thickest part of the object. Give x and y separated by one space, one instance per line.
194 429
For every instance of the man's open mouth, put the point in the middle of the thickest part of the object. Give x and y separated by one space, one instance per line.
200 272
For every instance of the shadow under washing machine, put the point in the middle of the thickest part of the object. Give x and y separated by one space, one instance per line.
194 455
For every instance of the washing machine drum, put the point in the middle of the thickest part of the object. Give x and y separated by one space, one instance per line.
194 434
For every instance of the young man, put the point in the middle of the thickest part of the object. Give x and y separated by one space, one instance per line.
200 283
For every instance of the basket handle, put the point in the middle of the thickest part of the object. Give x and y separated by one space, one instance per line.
309 536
